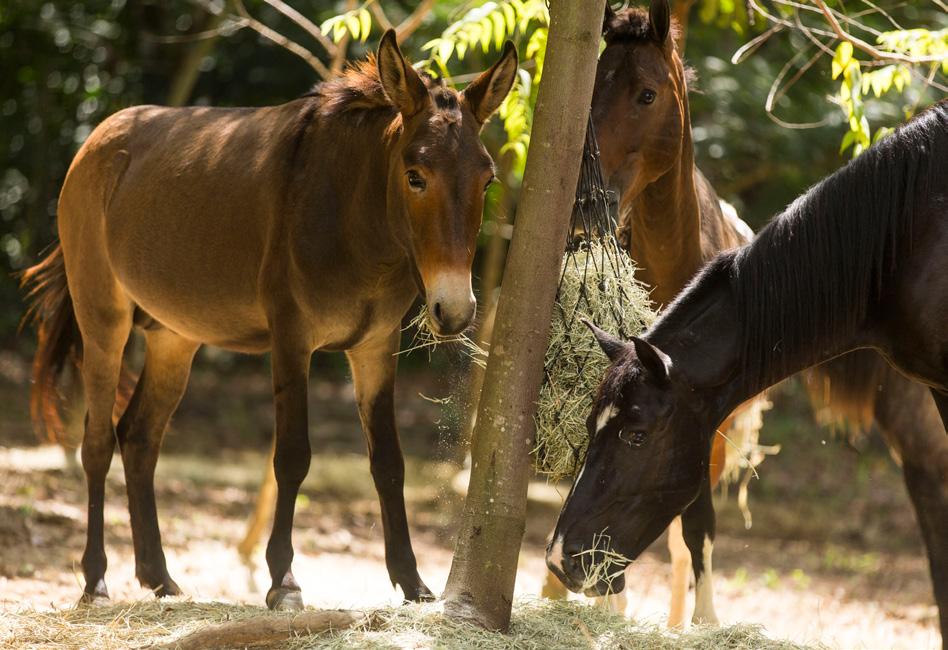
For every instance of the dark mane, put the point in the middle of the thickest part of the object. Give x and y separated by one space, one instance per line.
817 270
631 25
358 89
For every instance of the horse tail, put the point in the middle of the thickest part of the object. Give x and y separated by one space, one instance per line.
51 313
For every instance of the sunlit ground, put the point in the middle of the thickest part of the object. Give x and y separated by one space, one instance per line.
833 556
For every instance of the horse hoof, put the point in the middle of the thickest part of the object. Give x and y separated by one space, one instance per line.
283 599
167 588
419 594
98 597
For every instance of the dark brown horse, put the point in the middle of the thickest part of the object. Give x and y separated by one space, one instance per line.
671 220
307 226
859 261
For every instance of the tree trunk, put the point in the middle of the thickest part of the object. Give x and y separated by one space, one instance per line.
481 584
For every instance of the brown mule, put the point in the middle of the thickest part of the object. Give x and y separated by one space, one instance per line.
307 226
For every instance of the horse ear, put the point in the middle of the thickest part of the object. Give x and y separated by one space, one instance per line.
612 346
485 94
609 16
659 18
401 83
656 362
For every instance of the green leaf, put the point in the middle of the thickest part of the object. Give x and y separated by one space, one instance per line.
881 132
352 24
365 24
338 31
500 28
844 54
848 140
510 18
487 29
445 47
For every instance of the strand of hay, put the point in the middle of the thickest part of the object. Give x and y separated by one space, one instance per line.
598 283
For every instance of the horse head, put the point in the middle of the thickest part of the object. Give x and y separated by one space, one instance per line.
438 173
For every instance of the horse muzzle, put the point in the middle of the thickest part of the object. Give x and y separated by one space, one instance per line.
451 303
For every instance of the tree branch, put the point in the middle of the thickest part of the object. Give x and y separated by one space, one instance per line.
281 40
306 24
267 628
375 8
408 26
866 47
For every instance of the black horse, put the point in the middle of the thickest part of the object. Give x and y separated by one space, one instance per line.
859 261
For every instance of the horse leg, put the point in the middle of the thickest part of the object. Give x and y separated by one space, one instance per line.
910 422
262 512
104 333
291 460
168 359
680 563
373 373
698 523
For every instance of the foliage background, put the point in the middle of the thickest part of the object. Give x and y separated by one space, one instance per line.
64 66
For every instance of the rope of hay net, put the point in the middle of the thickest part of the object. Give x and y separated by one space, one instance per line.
598 283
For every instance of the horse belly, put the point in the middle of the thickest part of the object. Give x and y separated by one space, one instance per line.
195 272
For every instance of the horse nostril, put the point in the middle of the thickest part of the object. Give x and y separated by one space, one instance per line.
439 316
569 557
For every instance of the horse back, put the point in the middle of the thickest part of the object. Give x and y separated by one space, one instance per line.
185 203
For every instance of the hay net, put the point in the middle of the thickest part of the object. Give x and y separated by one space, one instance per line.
597 282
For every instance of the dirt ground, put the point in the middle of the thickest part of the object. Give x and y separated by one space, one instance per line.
834 555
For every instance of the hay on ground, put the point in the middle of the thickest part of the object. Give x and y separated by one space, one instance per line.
536 625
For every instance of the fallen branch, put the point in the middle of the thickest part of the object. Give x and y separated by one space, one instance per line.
267 629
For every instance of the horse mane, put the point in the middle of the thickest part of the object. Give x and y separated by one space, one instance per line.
632 25
358 89
814 274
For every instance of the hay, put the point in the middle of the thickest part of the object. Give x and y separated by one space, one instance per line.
536 625
425 339
598 283
601 563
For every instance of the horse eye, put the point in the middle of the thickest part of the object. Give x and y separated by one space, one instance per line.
489 183
415 181
647 96
633 438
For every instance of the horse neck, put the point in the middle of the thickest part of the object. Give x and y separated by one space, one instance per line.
357 163
666 225
703 334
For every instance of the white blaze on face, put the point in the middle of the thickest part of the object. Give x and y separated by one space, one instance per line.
605 416
555 554
704 589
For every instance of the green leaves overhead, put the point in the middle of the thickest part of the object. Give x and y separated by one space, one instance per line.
357 23
486 27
